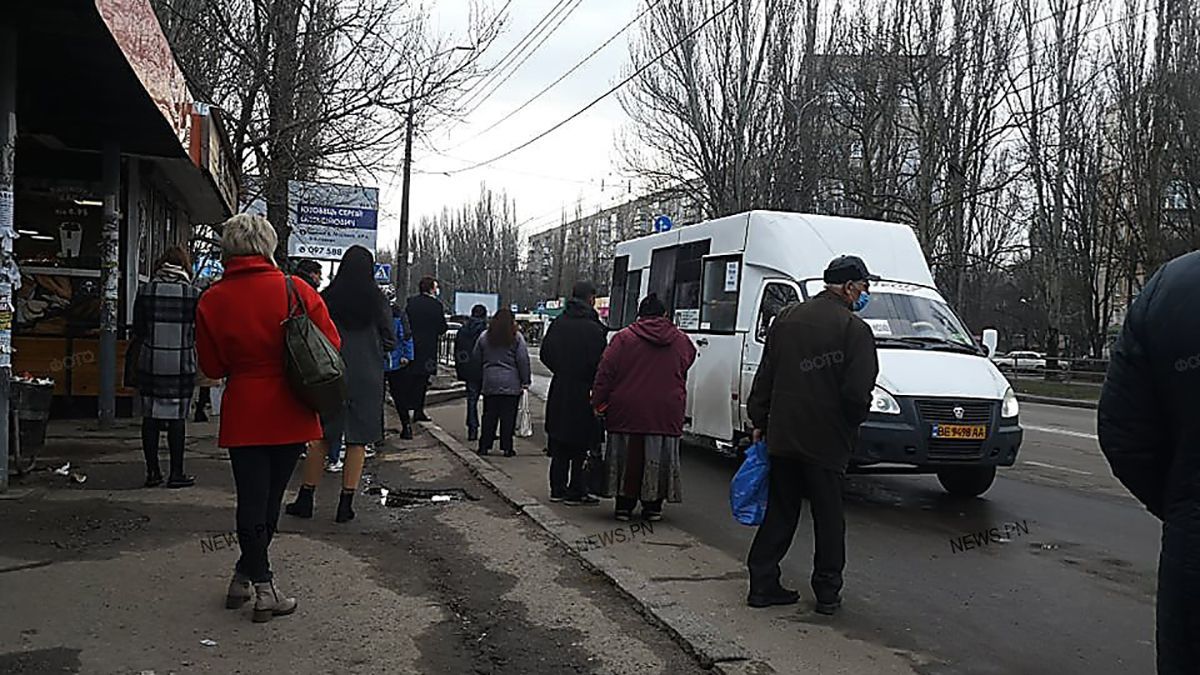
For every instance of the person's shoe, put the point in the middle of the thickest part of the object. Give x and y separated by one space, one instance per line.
303 506
421 417
510 453
585 500
270 603
829 608
623 515
652 516
240 591
483 452
370 452
556 498
777 597
181 481
153 478
406 433
336 467
345 511
472 435
200 417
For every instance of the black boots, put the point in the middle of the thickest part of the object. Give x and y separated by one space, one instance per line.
153 476
345 511
406 432
303 506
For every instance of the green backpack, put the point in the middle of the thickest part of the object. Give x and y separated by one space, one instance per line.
314 367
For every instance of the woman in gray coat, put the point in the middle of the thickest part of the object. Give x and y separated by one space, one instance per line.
506 376
364 321
164 322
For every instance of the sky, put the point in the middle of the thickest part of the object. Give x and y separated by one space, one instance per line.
554 173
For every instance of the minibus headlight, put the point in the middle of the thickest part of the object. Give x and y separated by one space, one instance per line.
884 403
1009 408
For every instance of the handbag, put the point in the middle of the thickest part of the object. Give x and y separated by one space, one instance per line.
524 417
133 351
315 369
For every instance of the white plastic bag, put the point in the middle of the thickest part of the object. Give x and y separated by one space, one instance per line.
524 417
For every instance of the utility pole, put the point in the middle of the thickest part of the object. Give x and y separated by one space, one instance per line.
110 176
8 157
402 245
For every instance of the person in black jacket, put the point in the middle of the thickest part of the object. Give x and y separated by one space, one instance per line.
819 367
469 369
310 271
571 350
1150 433
427 317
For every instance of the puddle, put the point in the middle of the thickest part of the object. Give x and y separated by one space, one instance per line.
414 497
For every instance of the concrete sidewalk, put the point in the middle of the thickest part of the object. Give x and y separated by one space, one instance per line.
108 577
703 587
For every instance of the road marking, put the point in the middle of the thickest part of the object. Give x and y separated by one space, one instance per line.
1060 468
1064 432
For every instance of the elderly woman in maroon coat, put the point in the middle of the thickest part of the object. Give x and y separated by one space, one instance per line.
641 390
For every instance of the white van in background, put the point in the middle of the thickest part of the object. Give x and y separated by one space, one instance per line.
940 405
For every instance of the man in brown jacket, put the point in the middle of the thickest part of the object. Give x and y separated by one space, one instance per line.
818 371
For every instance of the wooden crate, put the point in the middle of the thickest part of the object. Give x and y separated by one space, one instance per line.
42 357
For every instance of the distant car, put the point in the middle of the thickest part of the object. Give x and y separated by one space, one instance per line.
1025 362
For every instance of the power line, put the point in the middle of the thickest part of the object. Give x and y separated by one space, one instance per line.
565 75
562 18
513 54
603 96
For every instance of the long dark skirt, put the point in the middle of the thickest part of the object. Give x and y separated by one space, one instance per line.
643 467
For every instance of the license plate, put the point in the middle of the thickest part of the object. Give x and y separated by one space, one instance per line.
966 432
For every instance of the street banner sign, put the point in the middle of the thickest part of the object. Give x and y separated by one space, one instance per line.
327 218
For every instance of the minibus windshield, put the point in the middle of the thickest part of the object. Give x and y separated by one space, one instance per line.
897 316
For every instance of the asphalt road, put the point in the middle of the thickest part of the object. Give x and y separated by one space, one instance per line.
1070 589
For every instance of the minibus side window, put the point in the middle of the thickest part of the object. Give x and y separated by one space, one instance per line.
776 296
689 266
616 305
719 298
633 286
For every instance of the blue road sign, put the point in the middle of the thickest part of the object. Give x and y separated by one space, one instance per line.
663 224
383 272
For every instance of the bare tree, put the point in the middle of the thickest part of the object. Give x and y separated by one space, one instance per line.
319 88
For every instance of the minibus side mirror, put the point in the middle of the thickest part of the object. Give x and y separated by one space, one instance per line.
991 338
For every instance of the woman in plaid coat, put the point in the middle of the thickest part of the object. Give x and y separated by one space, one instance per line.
164 320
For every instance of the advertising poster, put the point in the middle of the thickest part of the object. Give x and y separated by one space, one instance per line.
326 219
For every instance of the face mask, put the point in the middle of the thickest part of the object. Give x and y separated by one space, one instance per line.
861 303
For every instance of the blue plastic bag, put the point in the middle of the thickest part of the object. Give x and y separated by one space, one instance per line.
748 489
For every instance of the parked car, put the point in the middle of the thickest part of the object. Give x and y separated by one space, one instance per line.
1025 362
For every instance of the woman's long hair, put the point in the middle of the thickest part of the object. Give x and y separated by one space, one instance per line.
502 332
353 297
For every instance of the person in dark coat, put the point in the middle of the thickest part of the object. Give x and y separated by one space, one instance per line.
427 318
506 376
364 321
572 349
164 320
819 367
467 368
641 390
310 271
1150 433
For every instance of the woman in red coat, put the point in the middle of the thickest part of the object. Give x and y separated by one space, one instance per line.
239 336
641 389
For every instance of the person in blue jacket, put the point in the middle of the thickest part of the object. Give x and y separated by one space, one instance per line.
395 364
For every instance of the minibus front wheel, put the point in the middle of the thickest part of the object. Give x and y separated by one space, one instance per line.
967 481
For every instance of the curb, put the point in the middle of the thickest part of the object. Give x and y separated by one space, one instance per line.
436 396
696 635
1064 402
